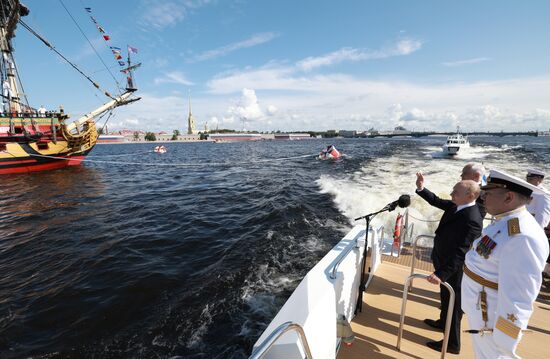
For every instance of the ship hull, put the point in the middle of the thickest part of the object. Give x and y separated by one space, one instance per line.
30 164
44 149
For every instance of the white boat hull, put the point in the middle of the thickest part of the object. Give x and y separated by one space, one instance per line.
453 150
328 292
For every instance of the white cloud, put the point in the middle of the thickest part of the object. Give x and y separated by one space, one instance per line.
228 120
176 77
164 14
247 108
131 121
275 76
403 47
295 101
341 55
325 102
394 112
266 77
152 113
255 40
414 114
400 48
476 60
271 110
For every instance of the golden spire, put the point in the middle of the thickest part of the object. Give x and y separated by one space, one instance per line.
191 129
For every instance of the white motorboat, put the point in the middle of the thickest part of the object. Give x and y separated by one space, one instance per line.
456 143
328 308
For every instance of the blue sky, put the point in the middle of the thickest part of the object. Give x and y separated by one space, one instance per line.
301 65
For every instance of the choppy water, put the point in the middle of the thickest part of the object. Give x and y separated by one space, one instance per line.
193 261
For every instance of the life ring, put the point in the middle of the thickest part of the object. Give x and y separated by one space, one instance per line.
397 229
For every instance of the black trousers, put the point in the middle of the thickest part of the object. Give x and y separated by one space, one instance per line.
454 334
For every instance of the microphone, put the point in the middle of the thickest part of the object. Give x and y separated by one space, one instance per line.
403 201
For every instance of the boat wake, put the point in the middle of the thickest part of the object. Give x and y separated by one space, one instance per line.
473 153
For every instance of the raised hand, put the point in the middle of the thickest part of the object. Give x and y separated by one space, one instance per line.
419 181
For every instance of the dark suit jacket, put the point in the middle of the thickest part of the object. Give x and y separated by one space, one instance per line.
453 236
480 203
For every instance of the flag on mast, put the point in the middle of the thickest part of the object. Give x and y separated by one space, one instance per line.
132 50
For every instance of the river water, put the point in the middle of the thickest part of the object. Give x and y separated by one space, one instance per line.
190 254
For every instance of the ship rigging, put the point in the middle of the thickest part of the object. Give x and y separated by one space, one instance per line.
35 139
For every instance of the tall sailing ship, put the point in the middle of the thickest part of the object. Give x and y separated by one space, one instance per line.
35 139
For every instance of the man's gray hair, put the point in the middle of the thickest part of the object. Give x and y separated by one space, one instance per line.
477 168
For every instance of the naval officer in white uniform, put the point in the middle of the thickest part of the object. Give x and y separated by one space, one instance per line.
502 272
539 206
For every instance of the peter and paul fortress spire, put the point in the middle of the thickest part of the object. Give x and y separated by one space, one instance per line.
191 129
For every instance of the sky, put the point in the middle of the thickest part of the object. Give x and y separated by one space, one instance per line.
294 65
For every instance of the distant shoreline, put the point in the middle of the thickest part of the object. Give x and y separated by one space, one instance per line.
147 142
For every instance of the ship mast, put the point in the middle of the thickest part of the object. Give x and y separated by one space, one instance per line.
10 13
129 75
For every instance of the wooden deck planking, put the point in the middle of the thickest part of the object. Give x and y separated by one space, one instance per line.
423 261
377 326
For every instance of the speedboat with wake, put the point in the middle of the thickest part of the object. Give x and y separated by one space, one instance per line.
329 153
159 149
456 143
353 303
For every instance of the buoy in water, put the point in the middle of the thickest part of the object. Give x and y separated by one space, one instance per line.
330 153
160 149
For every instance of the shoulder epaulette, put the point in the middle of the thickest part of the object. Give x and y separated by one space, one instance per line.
513 226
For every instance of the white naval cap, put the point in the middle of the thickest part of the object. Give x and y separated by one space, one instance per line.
535 172
499 179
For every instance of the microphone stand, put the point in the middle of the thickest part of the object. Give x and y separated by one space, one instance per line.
390 207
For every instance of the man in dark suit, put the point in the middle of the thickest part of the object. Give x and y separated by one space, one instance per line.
459 226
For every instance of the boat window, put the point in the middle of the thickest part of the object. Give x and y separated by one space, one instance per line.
42 145
3 147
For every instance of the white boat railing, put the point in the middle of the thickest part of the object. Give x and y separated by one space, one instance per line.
266 345
447 321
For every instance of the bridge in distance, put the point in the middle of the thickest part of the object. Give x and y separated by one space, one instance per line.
433 133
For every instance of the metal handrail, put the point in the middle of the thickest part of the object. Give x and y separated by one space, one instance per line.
413 262
266 345
342 256
405 230
411 231
380 240
380 234
447 321
349 249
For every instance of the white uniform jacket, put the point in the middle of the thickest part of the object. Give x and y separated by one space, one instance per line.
512 252
540 207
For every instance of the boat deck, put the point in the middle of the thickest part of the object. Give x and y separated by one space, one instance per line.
377 326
